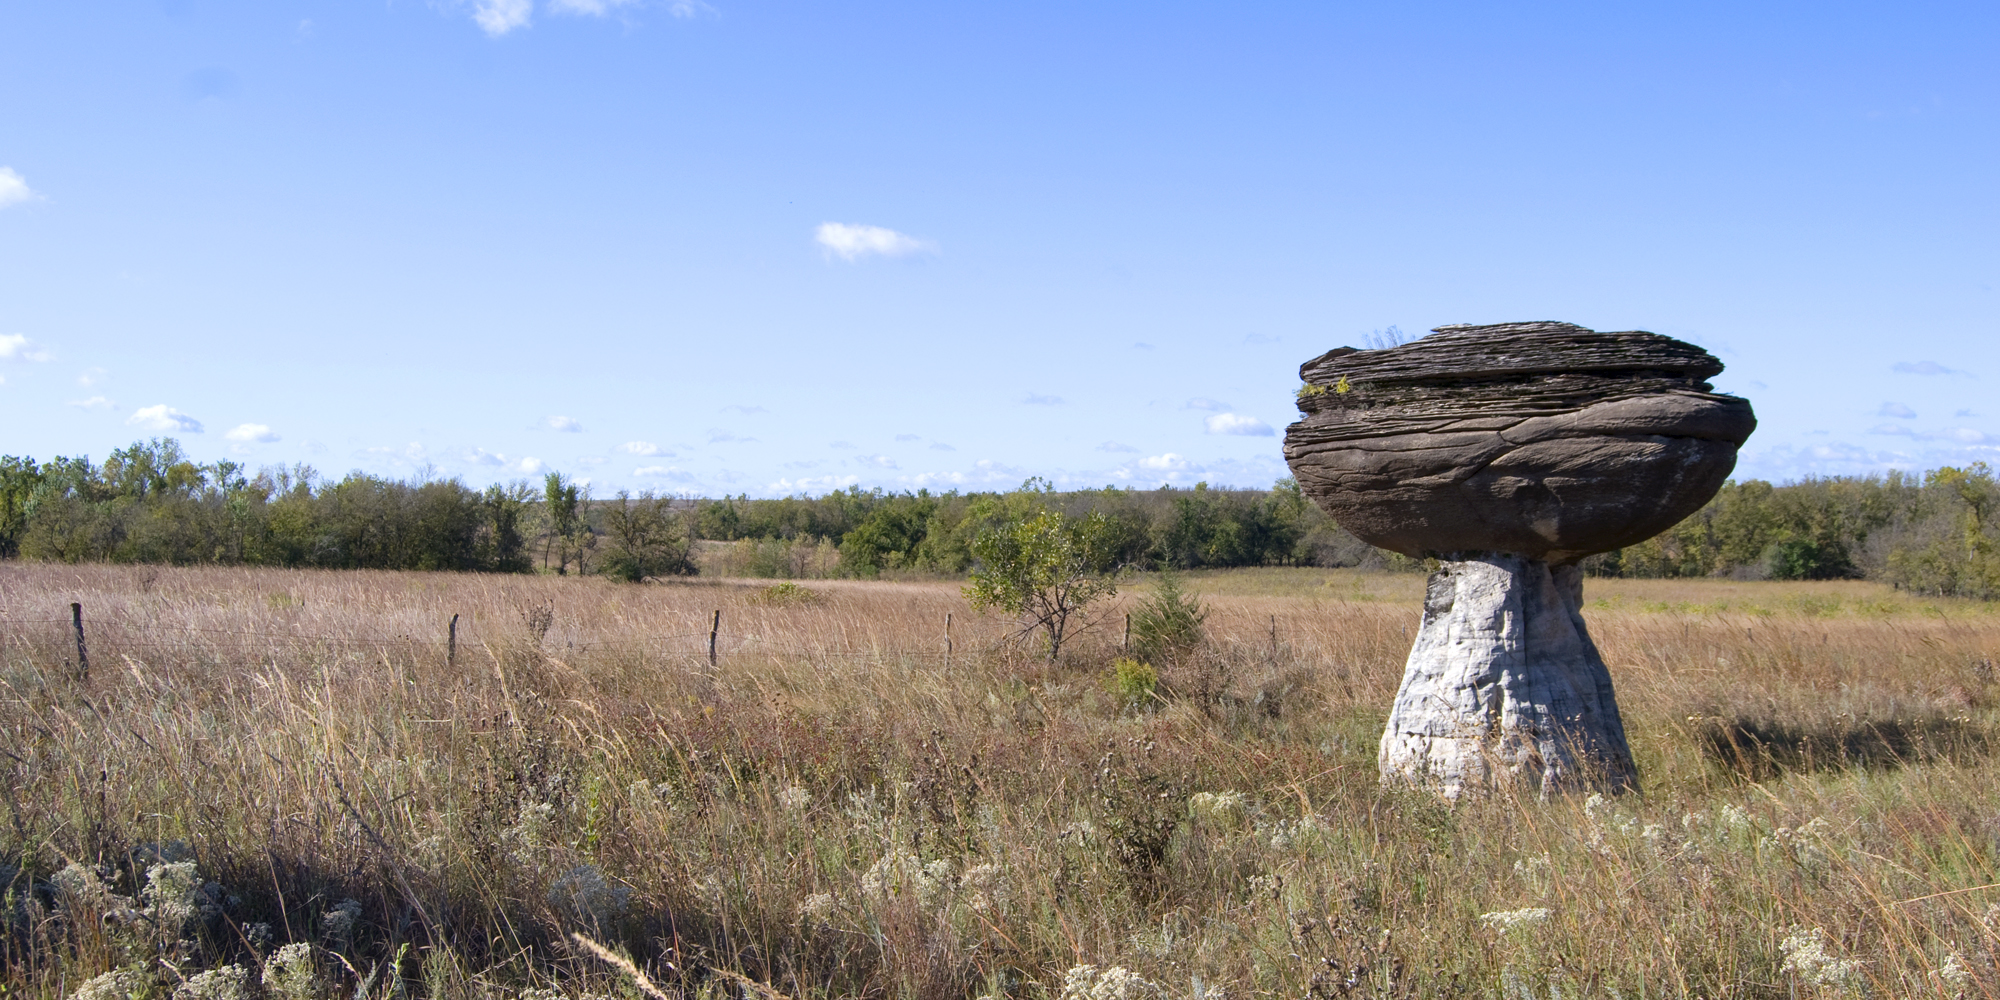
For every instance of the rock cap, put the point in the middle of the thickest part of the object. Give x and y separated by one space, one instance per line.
1545 439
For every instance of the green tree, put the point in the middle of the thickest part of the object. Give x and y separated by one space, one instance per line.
646 538
1039 566
568 532
1168 623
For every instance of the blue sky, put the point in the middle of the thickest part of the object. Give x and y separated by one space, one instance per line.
727 246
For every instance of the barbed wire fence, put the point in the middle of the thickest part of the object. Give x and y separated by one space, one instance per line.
1256 633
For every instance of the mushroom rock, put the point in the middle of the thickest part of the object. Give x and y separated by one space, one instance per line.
1509 452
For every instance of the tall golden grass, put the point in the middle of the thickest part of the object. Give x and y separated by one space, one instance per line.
839 807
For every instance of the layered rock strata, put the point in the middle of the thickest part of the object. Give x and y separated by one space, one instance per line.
1545 439
1509 452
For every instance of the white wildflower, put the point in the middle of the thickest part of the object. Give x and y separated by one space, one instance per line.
1534 870
900 872
1807 957
1733 818
1087 982
817 908
172 894
794 798
586 895
257 935
1305 834
118 984
864 806
83 885
985 887
1225 810
290 974
336 926
231 982
1604 814
529 833
1507 920
641 793
1957 979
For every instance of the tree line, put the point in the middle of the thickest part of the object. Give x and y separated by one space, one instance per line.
1932 533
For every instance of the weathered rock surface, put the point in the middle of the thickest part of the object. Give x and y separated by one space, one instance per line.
1548 440
1509 452
1505 686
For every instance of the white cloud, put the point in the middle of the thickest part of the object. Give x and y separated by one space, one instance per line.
592 461
528 465
498 17
13 188
1041 399
1925 368
480 456
412 452
909 437
90 377
592 8
724 437
1237 423
809 484
664 472
93 403
602 8
856 242
936 478
1205 403
1896 410
251 433
881 461
941 446
15 347
1168 462
1966 435
1892 429
164 418
644 449
1115 446
567 425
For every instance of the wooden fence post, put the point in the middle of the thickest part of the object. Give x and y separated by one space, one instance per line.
82 654
947 640
712 630
451 644
1125 644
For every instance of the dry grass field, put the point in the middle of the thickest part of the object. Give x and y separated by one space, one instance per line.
836 808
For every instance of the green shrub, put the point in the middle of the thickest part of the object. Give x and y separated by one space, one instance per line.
1133 681
1170 622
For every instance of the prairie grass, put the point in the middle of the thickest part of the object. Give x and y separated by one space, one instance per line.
837 807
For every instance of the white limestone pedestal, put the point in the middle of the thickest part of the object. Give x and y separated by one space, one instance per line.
1504 686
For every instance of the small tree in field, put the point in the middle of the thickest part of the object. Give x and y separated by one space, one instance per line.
567 507
1041 567
646 538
